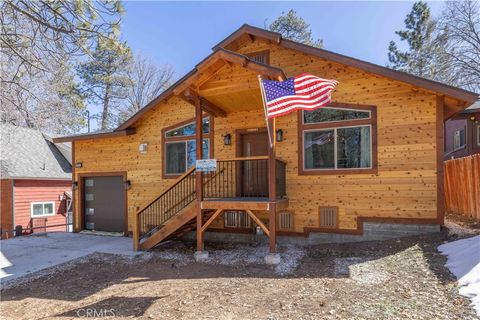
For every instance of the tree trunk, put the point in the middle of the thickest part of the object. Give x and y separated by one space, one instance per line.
106 98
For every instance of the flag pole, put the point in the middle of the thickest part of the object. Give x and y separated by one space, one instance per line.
265 111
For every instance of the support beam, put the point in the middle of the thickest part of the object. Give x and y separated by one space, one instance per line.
259 222
209 221
192 97
198 174
272 187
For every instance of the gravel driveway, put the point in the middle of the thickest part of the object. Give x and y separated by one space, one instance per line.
397 279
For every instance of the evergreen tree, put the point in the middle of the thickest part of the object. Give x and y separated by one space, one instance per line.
426 45
105 80
295 28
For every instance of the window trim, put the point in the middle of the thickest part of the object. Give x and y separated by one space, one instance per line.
165 140
478 135
463 146
372 122
42 203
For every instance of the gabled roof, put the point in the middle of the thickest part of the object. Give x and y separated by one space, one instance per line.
219 54
27 153
246 33
253 32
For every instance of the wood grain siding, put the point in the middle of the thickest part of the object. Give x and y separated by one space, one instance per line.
6 206
405 185
403 188
144 170
28 191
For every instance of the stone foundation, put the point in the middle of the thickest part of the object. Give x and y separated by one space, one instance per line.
371 231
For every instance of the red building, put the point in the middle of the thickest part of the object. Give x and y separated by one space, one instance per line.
462 133
35 188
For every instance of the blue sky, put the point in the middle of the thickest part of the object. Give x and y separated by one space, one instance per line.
183 33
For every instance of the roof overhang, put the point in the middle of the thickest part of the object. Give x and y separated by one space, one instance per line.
189 87
247 33
456 99
88 136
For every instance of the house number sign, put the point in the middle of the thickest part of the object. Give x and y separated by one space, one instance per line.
206 165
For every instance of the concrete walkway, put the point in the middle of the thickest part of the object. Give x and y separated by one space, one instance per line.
24 255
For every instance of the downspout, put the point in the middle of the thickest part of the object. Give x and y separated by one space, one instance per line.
13 205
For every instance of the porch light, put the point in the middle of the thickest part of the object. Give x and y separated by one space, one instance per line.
75 185
279 135
127 184
227 139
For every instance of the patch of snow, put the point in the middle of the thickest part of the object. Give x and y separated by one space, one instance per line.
464 262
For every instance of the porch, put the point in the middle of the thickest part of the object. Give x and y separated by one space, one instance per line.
223 84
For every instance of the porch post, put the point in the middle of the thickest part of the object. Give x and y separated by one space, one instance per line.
198 175
272 191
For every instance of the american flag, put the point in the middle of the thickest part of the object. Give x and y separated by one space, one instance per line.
304 91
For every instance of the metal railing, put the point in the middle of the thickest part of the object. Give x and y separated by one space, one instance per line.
21 231
238 178
242 178
167 205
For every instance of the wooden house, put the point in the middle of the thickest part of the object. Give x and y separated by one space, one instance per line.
36 182
374 156
462 133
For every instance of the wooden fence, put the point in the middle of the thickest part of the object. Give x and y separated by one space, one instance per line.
462 186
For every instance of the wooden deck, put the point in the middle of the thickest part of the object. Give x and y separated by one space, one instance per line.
243 204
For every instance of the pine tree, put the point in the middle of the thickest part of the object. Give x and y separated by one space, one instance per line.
295 28
426 45
105 79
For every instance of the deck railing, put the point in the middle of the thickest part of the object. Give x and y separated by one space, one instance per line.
169 203
236 178
242 178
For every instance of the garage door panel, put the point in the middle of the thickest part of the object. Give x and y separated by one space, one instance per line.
104 203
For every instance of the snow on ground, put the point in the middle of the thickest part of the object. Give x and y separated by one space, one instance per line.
464 262
21 256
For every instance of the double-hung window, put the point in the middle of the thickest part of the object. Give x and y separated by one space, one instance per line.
42 209
338 138
459 139
180 146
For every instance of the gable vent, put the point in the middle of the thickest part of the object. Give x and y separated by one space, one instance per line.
285 220
328 217
260 57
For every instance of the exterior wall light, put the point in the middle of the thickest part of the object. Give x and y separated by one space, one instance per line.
127 184
75 185
227 139
279 135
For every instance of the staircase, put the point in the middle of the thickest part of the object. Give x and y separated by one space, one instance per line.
166 214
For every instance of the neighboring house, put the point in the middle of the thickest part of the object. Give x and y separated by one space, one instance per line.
369 166
462 133
36 181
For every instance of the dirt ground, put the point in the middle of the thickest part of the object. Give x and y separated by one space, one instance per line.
397 279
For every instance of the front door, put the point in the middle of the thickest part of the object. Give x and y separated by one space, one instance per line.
104 203
254 173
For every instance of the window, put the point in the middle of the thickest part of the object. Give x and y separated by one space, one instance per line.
478 135
459 139
237 219
337 138
180 146
262 57
42 209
